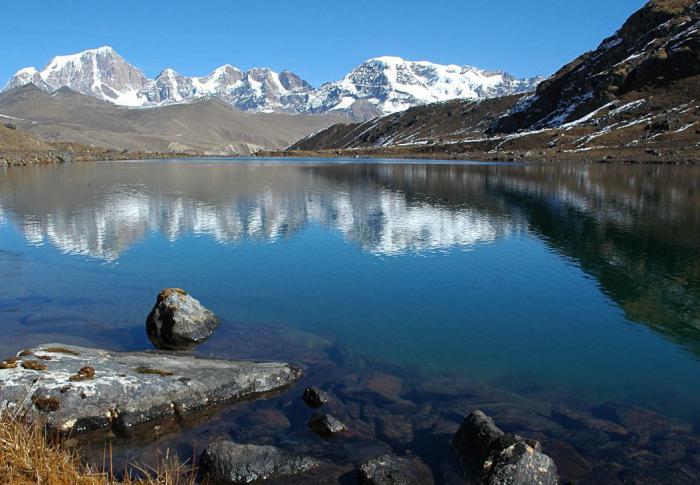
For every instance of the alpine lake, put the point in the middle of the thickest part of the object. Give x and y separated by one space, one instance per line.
551 297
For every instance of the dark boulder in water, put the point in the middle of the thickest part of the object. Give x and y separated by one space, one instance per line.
488 455
314 397
228 462
326 425
178 321
389 469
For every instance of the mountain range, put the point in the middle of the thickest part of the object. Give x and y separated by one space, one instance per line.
635 97
378 86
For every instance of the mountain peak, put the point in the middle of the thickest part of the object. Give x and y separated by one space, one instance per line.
168 72
59 62
387 60
391 84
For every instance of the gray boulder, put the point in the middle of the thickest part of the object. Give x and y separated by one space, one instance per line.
228 462
389 469
490 456
178 321
519 463
76 389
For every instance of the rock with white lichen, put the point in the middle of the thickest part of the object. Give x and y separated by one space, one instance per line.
77 389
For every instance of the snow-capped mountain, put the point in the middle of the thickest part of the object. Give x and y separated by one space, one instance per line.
394 84
96 72
385 84
256 90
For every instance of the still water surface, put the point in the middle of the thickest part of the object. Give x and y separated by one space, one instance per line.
577 284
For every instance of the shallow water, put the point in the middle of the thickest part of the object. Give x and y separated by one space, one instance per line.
544 284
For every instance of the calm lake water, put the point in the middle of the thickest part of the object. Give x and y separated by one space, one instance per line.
557 284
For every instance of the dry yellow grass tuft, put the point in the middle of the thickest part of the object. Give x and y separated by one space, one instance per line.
28 456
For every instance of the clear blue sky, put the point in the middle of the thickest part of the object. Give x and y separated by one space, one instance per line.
318 39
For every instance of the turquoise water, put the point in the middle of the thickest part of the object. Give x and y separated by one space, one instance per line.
581 283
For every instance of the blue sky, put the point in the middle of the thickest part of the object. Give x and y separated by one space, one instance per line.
319 40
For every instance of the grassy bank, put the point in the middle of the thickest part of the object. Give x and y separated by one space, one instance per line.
28 455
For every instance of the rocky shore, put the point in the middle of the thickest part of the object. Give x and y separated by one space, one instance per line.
681 154
343 420
23 158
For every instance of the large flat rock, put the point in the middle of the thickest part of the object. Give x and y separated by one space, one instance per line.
80 389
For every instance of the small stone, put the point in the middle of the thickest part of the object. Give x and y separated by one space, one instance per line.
229 462
384 385
314 397
326 425
10 363
392 470
395 428
47 404
178 321
34 365
84 374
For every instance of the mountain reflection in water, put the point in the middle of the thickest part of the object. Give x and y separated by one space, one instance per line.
106 209
634 229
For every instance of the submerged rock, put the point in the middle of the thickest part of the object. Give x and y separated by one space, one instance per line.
228 462
178 321
392 470
576 420
488 455
314 397
130 388
638 420
326 425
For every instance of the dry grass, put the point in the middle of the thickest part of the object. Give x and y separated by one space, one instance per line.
29 456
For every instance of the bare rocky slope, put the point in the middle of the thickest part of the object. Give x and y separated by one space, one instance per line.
17 147
206 126
635 98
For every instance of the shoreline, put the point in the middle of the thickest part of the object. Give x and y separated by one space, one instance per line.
687 156
23 159
626 155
